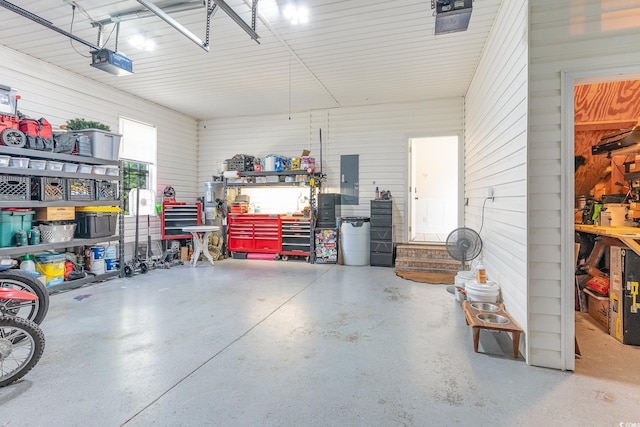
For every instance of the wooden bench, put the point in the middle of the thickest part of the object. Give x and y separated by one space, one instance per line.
476 323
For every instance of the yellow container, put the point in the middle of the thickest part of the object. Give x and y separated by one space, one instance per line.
52 267
97 209
295 164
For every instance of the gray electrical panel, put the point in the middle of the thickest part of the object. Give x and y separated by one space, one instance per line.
350 179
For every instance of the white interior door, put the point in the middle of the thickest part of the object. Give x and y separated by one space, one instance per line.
434 188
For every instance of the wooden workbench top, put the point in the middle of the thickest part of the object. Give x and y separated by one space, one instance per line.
627 235
604 230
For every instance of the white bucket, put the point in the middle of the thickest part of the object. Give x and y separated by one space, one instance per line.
463 277
97 266
269 164
483 292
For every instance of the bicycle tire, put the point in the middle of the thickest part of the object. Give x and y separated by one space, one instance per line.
36 310
21 347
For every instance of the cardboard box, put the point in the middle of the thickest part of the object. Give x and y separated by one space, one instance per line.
58 213
184 254
598 309
635 214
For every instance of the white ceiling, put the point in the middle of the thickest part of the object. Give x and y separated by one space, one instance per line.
351 53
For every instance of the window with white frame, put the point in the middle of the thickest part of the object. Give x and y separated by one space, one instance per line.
138 151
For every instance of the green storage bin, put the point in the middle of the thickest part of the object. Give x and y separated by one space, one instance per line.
12 220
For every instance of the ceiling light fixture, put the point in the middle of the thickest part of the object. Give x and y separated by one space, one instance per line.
296 13
139 41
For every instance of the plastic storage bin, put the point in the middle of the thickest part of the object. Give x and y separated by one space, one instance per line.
12 220
51 266
37 164
4 161
19 162
96 221
70 167
85 168
104 145
355 240
54 166
113 170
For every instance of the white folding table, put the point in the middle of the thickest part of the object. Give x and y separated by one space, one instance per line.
201 235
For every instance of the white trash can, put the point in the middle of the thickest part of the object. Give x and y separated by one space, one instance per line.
354 233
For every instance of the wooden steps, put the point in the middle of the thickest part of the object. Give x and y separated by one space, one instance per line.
425 257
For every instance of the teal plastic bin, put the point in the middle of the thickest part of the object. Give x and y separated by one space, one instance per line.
12 220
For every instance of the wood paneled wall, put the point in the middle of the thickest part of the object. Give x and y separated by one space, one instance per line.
601 109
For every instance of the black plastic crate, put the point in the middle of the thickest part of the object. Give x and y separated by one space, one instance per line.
242 165
81 189
15 187
106 190
48 188
96 224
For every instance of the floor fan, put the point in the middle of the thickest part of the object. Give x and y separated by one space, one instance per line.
463 244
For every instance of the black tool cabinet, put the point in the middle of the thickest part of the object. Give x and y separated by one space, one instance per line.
381 237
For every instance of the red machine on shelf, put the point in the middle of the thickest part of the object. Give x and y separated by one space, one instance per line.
177 215
10 133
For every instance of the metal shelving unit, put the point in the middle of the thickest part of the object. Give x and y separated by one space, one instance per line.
291 241
45 155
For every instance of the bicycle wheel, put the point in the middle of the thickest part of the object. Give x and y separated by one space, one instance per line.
21 346
31 310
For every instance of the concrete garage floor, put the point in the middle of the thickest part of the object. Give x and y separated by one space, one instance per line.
276 343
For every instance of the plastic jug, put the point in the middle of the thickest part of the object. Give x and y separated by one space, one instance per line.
34 236
21 238
27 264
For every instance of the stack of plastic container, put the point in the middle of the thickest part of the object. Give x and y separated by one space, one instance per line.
111 258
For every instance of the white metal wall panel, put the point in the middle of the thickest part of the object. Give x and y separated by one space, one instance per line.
564 36
378 134
496 156
59 95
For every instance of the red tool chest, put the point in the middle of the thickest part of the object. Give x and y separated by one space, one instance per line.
175 216
254 233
